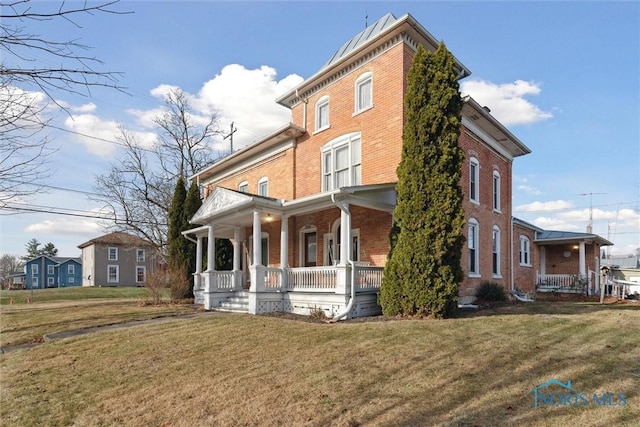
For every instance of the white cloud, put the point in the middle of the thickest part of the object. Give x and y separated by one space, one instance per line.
65 225
507 101
529 190
554 205
554 223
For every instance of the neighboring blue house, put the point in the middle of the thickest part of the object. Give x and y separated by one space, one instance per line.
53 272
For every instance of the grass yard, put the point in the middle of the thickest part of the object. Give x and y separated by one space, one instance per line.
8 297
228 370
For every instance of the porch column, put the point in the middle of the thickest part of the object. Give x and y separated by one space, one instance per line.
237 272
211 250
583 266
196 277
543 260
284 250
345 235
257 239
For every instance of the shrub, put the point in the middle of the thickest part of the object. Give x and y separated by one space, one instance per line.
155 284
317 314
179 284
491 292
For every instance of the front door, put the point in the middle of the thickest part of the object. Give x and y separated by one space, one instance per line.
310 249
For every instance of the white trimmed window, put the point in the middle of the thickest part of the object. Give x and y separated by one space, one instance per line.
113 274
472 244
496 191
50 282
34 283
364 92
525 251
50 269
341 162
322 114
71 280
474 180
71 269
34 270
243 187
113 254
140 255
263 186
496 252
141 274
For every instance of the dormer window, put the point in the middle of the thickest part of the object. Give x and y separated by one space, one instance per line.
322 114
364 93
341 163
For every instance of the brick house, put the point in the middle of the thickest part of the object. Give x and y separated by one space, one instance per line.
308 208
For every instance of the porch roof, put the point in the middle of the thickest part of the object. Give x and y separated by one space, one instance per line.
563 237
227 209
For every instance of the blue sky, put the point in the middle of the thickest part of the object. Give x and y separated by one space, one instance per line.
564 77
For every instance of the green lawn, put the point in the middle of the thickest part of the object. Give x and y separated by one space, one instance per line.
68 294
228 369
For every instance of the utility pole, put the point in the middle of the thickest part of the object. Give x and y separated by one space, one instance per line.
230 136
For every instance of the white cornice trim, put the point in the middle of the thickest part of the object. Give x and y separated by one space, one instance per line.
487 139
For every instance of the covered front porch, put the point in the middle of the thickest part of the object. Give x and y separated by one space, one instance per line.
314 272
569 262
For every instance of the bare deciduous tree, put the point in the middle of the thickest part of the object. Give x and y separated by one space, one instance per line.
139 186
26 86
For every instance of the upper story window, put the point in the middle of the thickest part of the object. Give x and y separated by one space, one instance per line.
71 269
474 180
525 251
322 114
113 254
243 187
263 186
472 244
34 270
140 255
50 269
364 92
496 191
341 163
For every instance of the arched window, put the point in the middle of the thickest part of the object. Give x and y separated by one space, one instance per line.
322 114
243 187
341 162
263 186
472 245
525 251
364 92
474 180
496 252
496 191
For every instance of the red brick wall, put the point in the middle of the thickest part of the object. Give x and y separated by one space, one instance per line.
558 263
524 277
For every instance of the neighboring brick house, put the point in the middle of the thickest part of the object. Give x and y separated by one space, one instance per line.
117 259
53 272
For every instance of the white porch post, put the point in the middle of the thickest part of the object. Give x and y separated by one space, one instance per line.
211 250
210 283
256 269
343 269
237 272
582 261
284 250
196 277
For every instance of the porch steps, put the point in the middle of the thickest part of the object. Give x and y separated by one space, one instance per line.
239 303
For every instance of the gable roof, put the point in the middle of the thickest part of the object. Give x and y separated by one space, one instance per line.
57 259
117 238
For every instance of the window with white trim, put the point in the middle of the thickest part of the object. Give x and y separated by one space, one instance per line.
71 280
34 283
50 282
243 187
525 251
472 244
364 92
496 252
474 180
140 255
113 274
50 269
263 186
34 270
322 114
141 274
71 269
496 191
113 254
341 162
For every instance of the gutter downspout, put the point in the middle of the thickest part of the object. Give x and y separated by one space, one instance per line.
349 306
511 263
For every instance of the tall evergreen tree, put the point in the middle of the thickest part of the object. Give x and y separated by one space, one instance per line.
423 271
192 203
178 249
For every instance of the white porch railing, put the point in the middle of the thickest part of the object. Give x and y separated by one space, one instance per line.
225 280
272 278
563 283
308 278
368 278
